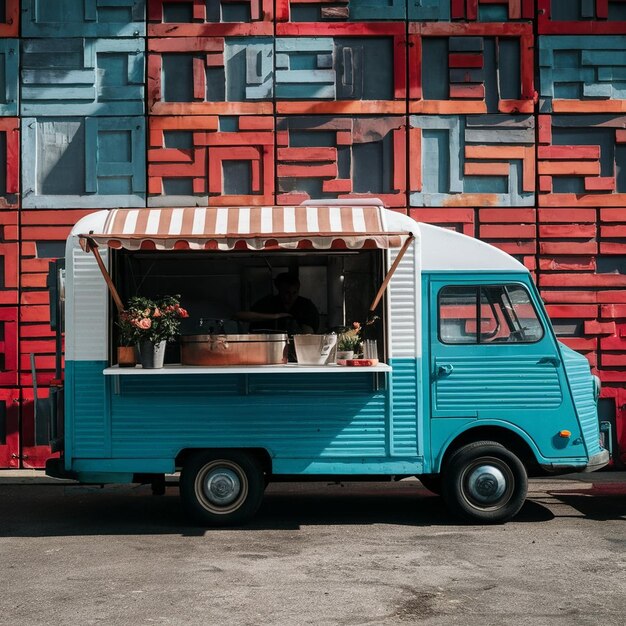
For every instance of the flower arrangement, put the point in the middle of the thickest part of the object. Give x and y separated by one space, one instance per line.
150 320
350 339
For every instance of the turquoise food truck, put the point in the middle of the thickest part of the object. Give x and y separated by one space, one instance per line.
468 389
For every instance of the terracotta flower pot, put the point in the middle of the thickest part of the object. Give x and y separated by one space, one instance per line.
126 356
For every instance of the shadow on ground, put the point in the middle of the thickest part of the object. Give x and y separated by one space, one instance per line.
41 511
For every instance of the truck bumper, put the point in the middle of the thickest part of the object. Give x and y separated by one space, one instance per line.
596 462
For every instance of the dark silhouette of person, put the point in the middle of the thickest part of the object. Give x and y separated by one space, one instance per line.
286 310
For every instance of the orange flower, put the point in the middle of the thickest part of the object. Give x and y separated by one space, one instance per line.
157 312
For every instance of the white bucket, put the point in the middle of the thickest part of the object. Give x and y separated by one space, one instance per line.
315 349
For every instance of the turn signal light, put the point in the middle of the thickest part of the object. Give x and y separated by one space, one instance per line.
565 434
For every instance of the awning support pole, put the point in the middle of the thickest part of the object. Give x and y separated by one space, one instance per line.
390 274
93 246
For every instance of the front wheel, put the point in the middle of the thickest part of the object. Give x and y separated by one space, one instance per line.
221 488
484 483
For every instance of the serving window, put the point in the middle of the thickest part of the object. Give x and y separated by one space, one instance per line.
217 286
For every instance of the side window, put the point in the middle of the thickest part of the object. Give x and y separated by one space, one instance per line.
487 314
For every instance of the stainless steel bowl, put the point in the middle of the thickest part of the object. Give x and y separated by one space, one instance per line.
257 349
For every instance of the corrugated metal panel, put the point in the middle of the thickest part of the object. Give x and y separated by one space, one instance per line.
579 377
90 420
405 306
86 324
156 418
481 382
404 420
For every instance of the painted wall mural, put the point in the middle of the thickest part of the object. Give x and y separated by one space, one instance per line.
502 119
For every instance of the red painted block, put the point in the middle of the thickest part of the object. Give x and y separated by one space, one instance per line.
503 216
565 297
598 26
594 327
8 346
508 231
9 435
204 164
567 231
567 263
10 25
10 128
468 99
459 220
567 215
572 311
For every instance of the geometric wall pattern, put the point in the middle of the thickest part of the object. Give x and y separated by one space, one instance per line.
502 119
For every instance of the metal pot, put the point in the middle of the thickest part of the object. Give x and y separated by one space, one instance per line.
257 349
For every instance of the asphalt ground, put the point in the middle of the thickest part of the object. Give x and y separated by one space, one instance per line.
317 553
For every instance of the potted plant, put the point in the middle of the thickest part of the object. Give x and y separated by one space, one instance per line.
349 342
150 324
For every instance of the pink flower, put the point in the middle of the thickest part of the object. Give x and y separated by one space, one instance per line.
143 324
182 312
157 312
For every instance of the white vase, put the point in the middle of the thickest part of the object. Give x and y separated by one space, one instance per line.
151 354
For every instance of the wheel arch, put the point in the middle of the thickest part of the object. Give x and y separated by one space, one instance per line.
515 440
262 455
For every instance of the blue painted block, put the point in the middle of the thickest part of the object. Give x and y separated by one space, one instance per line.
341 68
74 162
83 18
377 10
9 63
448 142
581 68
429 9
82 77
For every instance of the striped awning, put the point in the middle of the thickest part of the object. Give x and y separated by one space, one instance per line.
254 228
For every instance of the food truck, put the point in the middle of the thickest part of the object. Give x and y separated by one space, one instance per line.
467 387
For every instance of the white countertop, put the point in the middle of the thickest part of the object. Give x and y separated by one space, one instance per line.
290 368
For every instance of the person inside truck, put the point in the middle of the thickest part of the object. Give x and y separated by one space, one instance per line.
286 310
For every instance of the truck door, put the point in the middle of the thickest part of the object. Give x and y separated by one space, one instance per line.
493 355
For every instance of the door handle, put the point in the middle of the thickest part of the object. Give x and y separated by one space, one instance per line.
445 369
550 360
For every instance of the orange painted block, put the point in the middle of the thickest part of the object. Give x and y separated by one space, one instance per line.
494 152
600 183
620 135
613 231
569 168
486 169
545 184
467 92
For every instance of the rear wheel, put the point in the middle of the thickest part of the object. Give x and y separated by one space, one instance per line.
484 482
221 488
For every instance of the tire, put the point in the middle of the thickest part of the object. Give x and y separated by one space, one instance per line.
484 483
432 482
221 487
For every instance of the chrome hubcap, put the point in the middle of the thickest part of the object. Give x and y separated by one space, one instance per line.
486 484
222 486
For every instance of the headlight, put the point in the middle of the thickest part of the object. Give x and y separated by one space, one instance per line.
597 386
